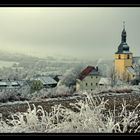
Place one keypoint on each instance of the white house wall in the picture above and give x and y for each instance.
(89, 83)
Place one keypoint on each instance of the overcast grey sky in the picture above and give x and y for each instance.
(82, 32)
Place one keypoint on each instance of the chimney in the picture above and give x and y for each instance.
(96, 68)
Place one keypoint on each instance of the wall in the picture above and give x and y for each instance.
(121, 64)
(81, 85)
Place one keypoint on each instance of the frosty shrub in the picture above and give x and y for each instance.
(115, 89)
(59, 91)
(44, 93)
(63, 90)
(14, 95)
(88, 115)
(8, 96)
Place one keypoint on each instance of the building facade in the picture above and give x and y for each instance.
(88, 79)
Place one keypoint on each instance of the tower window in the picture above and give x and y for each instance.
(128, 56)
(86, 84)
(119, 57)
(91, 84)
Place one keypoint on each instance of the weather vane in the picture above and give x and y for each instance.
(124, 24)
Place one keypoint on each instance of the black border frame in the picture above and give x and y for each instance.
(71, 3)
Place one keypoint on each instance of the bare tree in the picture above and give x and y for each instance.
(69, 78)
(113, 76)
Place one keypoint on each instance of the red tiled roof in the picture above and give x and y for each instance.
(86, 72)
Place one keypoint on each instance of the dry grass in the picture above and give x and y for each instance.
(91, 115)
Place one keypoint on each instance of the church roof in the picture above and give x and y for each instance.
(123, 48)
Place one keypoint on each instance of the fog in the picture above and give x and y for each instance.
(79, 32)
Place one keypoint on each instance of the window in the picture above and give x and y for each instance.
(128, 56)
(91, 77)
(96, 84)
(91, 89)
(119, 57)
(86, 84)
(91, 84)
(96, 76)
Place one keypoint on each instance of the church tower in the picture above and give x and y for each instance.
(123, 59)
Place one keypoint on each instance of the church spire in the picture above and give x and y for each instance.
(123, 47)
(123, 33)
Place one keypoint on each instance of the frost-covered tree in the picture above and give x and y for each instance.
(36, 85)
(62, 90)
(70, 76)
(113, 76)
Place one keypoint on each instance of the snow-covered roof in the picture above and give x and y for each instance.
(11, 83)
(14, 83)
(3, 83)
(104, 81)
(21, 82)
(136, 60)
(47, 80)
(131, 70)
(60, 77)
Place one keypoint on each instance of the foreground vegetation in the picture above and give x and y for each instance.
(87, 116)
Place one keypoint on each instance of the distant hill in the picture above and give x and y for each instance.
(6, 56)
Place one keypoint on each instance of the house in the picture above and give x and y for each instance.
(88, 79)
(47, 81)
(7, 85)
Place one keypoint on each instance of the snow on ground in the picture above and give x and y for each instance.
(12, 103)
(96, 93)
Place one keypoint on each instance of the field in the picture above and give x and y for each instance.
(113, 101)
(56, 110)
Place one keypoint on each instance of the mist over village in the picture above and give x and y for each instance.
(69, 70)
